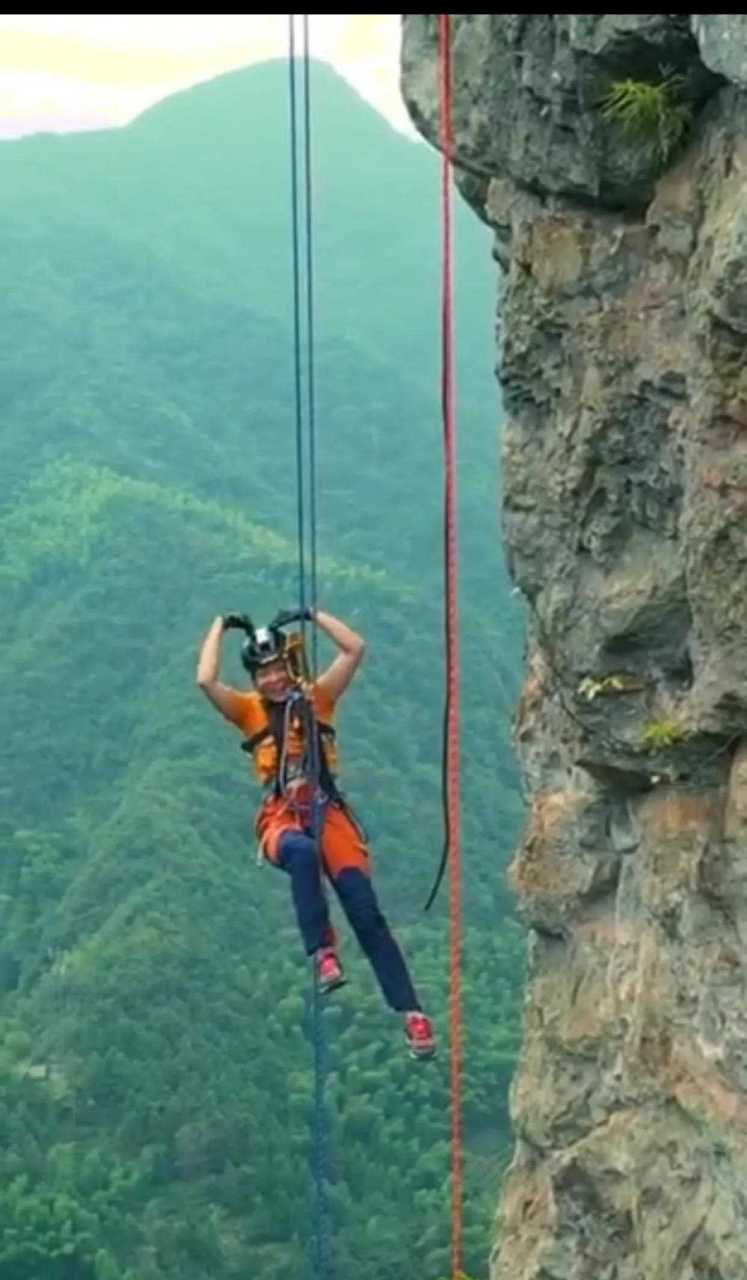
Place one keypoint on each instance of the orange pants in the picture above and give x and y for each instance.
(284, 828)
(341, 843)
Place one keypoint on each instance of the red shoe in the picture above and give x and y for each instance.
(419, 1033)
(329, 974)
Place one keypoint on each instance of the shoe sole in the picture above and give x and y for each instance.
(326, 987)
(422, 1053)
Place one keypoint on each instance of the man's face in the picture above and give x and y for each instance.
(273, 681)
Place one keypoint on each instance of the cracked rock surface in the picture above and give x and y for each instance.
(623, 363)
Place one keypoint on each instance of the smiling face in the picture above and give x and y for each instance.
(273, 681)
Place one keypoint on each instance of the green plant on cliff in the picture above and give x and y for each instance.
(620, 682)
(653, 114)
(659, 734)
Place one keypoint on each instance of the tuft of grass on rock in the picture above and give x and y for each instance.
(660, 734)
(653, 114)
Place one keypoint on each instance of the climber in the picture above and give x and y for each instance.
(279, 718)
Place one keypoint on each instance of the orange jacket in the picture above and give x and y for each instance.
(250, 712)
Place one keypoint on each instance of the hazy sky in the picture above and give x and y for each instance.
(80, 71)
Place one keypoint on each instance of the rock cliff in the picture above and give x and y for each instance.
(622, 357)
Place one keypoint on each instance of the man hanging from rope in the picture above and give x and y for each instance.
(280, 718)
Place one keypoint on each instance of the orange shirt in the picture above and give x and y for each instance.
(249, 714)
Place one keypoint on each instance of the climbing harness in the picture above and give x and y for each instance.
(279, 723)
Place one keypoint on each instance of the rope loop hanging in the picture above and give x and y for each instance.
(452, 855)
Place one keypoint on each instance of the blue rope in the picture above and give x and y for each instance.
(298, 382)
(323, 1255)
(310, 382)
(319, 1158)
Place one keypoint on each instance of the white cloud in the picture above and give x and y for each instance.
(31, 102)
(83, 70)
(169, 32)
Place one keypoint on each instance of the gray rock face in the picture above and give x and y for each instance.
(722, 39)
(623, 360)
(529, 89)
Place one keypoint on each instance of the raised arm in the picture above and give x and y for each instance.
(221, 695)
(341, 670)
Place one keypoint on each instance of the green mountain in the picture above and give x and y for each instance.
(155, 1058)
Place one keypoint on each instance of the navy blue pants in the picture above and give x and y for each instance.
(298, 857)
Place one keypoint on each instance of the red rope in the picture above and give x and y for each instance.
(452, 655)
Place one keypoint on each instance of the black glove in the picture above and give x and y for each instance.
(286, 616)
(241, 621)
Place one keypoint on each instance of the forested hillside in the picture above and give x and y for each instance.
(155, 1061)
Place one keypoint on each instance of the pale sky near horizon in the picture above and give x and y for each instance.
(62, 72)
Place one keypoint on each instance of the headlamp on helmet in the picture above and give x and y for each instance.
(263, 646)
